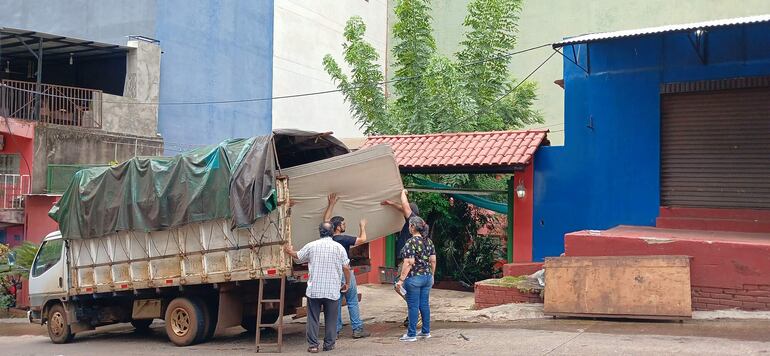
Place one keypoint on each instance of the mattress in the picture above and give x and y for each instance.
(361, 179)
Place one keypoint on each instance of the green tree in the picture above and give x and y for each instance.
(474, 91)
(367, 101)
(432, 93)
(413, 53)
(24, 255)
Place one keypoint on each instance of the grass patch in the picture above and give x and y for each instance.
(522, 283)
(507, 281)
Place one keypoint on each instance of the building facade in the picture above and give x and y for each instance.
(66, 103)
(547, 21)
(211, 51)
(236, 54)
(213, 67)
(305, 31)
(664, 127)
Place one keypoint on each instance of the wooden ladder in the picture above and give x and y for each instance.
(279, 322)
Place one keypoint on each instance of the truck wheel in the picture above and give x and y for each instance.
(184, 321)
(209, 319)
(141, 325)
(58, 328)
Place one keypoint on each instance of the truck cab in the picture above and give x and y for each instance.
(48, 287)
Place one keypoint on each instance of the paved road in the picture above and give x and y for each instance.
(530, 337)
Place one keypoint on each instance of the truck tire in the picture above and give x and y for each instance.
(209, 319)
(141, 325)
(58, 327)
(184, 321)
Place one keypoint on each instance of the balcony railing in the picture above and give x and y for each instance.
(13, 187)
(58, 104)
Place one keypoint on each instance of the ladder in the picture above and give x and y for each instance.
(278, 323)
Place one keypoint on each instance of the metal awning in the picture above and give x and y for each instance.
(19, 44)
(662, 29)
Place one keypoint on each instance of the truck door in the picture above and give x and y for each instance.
(46, 278)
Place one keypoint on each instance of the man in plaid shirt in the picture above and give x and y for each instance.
(329, 275)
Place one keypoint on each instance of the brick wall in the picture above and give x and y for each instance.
(750, 297)
(727, 269)
(521, 268)
(488, 295)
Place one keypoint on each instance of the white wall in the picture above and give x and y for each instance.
(305, 31)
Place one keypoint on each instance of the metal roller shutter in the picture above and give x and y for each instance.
(715, 149)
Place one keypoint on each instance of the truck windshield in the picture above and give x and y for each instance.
(49, 254)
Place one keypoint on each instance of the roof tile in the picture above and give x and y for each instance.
(466, 149)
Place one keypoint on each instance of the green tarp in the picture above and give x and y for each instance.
(501, 208)
(234, 179)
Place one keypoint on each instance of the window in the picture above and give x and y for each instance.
(47, 257)
(9, 164)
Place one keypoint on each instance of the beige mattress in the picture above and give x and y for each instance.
(361, 179)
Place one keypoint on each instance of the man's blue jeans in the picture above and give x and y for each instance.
(352, 298)
(418, 301)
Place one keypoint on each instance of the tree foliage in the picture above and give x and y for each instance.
(413, 53)
(24, 255)
(11, 274)
(474, 91)
(367, 101)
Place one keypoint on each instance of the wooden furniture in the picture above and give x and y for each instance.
(646, 287)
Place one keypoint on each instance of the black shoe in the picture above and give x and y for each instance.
(328, 348)
(360, 334)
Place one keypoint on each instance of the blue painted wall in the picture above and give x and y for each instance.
(608, 174)
(214, 50)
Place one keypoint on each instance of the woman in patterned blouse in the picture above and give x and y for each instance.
(417, 277)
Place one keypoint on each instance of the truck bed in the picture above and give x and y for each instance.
(205, 252)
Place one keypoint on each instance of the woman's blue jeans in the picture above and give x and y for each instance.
(418, 301)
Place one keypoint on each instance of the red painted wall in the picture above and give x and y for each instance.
(522, 216)
(38, 223)
(741, 220)
(11, 233)
(19, 145)
(377, 260)
(728, 269)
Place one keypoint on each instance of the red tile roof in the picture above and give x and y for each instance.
(500, 151)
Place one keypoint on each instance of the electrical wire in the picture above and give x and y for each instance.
(290, 96)
(484, 110)
(501, 56)
(546, 126)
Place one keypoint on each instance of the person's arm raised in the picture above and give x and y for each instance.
(362, 233)
(332, 198)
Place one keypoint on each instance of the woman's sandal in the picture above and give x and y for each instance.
(312, 349)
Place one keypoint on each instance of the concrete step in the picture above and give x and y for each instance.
(712, 224)
(741, 220)
(521, 268)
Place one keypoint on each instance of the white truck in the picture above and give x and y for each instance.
(196, 278)
(200, 276)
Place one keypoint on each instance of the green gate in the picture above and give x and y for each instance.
(58, 176)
